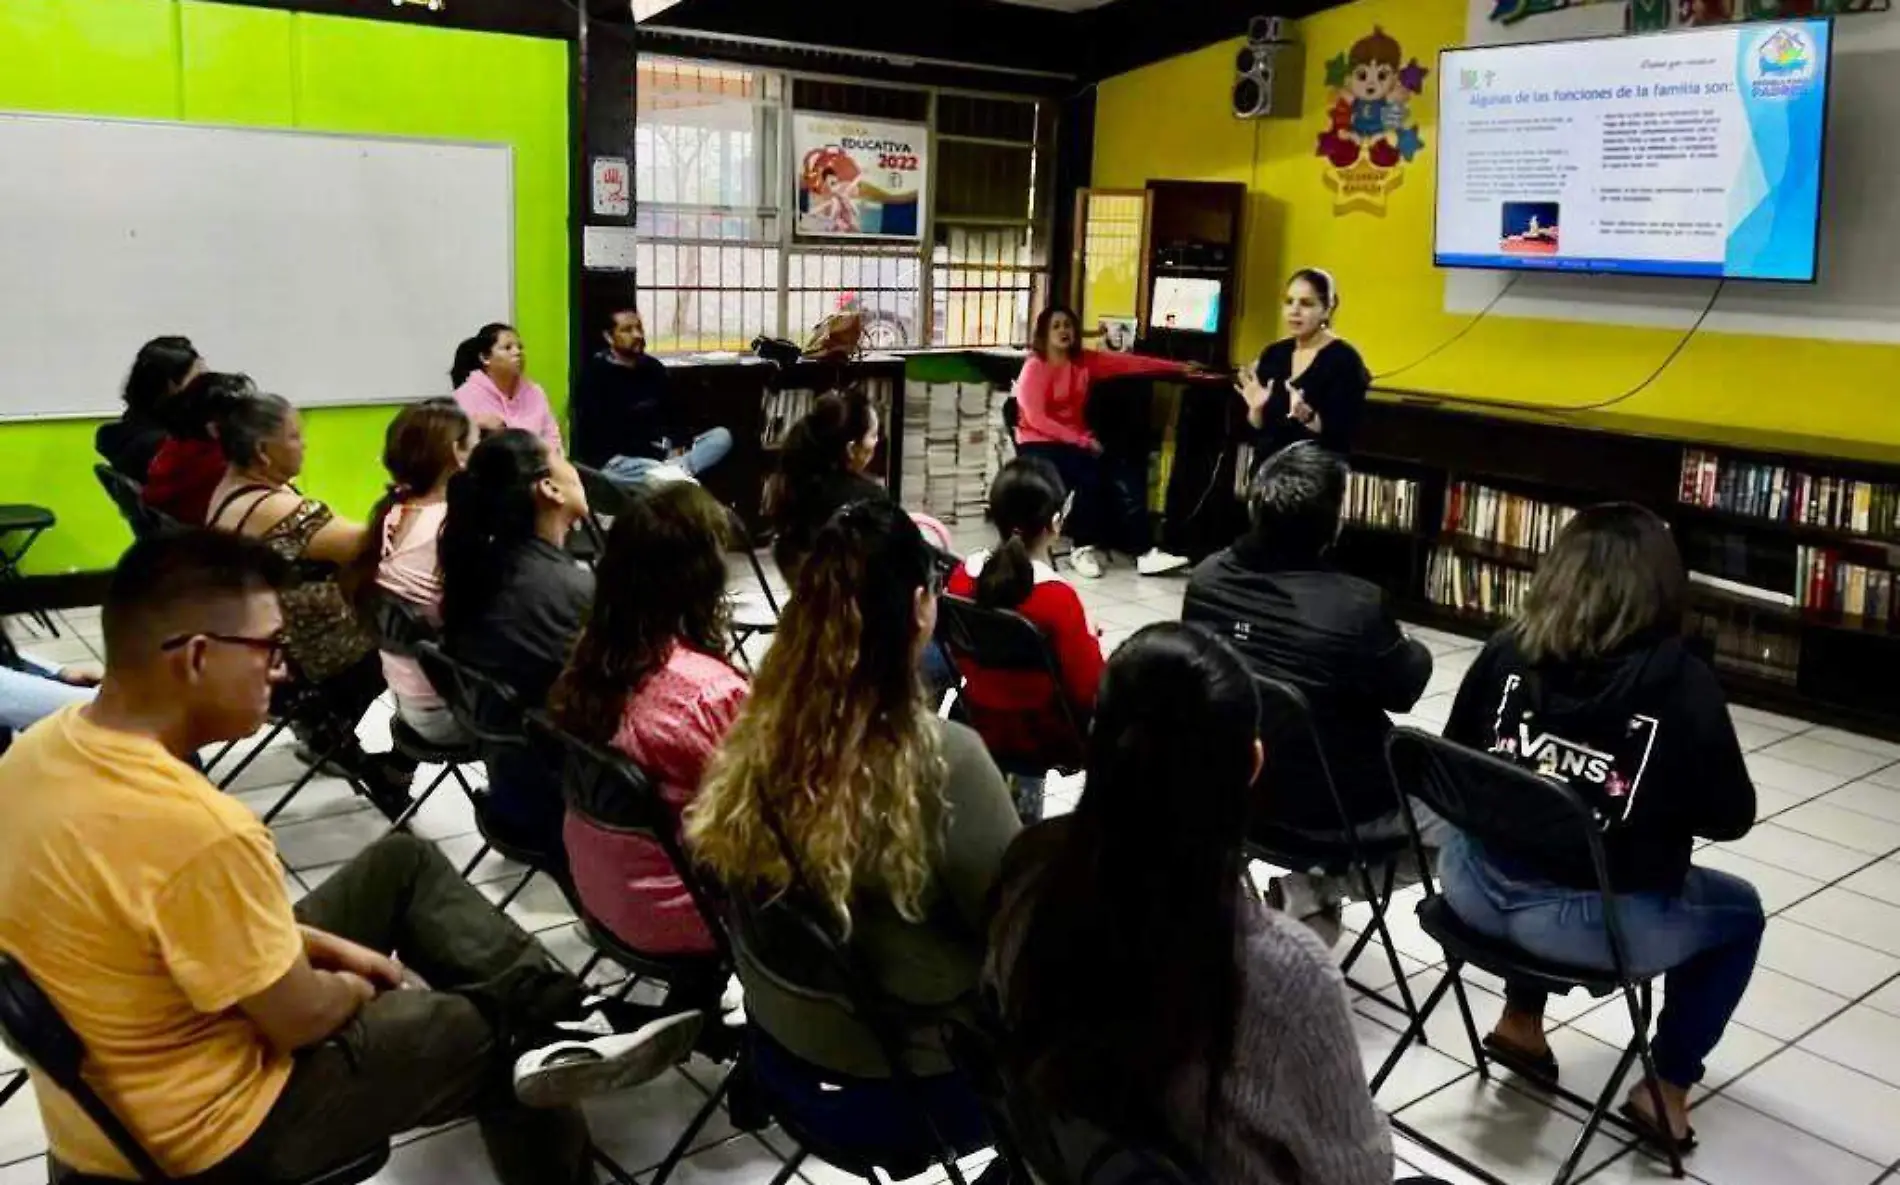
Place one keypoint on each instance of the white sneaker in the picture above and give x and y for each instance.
(567, 1071)
(1300, 895)
(1160, 563)
(1087, 563)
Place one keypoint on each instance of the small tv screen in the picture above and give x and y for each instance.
(1691, 153)
(1186, 304)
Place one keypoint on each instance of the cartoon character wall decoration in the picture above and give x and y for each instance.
(1371, 135)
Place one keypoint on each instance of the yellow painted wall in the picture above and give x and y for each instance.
(1171, 120)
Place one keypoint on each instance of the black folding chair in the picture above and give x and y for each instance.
(400, 628)
(491, 712)
(34, 1029)
(1038, 1147)
(607, 791)
(1296, 766)
(1515, 813)
(790, 928)
(607, 499)
(746, 626)
(1002, 640)
(292, 703)
(28, 523)
(129, 497)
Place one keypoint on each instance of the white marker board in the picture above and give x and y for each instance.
(333, 269)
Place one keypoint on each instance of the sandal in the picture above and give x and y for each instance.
(1541, 1068)
(1655, 1137)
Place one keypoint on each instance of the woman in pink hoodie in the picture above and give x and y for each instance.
(492, 386)
(1111, 490)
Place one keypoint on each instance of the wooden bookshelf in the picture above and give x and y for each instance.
(1816, 662)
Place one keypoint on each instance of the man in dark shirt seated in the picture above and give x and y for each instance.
(1297, 619)
(626, 422)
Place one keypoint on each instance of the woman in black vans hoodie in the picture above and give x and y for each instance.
(1595, 669)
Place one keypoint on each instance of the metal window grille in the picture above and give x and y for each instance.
(719, 262)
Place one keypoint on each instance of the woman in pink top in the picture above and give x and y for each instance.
(427, 443)
(492, 385)
(649, 678)
(1111, 490)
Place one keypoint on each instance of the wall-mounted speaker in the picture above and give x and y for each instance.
(1268, 71)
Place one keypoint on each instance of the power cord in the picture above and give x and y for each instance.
(1682, 343)
(1458, 336)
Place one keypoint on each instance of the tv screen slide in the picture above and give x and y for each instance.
(1192, 306)
(1694, 153)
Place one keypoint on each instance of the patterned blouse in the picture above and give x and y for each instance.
(325, 638)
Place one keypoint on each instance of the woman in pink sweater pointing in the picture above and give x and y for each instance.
(1111, 490)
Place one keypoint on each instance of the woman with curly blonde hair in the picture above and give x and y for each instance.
(838, 784)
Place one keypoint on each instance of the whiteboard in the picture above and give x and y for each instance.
(332, 269)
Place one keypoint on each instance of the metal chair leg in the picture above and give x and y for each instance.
(297, 786)
(685, 1142)
(515, 892)
(611, 1166)
(1413, 1030)
(12, 1087)
(469, 868)
(402, 821)
(276, 730)
(791, 1166)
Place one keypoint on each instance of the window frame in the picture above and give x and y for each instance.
(778, 199)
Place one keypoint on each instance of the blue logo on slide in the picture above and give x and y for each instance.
(1782, 65)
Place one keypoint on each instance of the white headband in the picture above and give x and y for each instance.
(1332, 287)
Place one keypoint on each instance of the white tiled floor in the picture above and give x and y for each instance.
(1805, 1089)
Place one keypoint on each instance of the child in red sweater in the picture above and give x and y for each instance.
(1019, 713)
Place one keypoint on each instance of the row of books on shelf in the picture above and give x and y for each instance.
(1825, 581)
(1786, 495)
(1386, 502)
(1473, 585)
(1500, 517)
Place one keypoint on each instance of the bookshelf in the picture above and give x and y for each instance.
(1792, 544)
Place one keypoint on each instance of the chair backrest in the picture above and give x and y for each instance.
(128, 496)
(1534, 821)
(400, 625)
(1037, 1146)
(1001, 640)
(606, 789)
(747, 540)
(996, 639)
(486, 708)
(606, 498)
(34, 1029)
(1296, 789)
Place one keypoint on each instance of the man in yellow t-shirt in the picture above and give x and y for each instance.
(235, 1037)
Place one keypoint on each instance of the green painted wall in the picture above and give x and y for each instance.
(225, 64)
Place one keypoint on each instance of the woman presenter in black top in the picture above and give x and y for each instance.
(1312, 385)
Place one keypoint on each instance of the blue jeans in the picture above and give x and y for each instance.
(707, 450)
(1703, 941)
(27, 698)
(1111, 496)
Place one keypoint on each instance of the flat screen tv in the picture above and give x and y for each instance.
(1186, 304)
(1692, 153)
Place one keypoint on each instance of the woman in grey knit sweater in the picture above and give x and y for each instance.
(1144, 992)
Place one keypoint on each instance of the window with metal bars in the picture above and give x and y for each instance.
(719, 261)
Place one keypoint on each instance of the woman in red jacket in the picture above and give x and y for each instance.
(1111, 490)
(1019, 713)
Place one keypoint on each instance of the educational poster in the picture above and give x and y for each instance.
(1372, 136)
(1695, 153)
(859, 178)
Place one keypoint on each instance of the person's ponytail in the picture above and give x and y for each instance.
(491, 512)
(1025, 502)
(1009, 576)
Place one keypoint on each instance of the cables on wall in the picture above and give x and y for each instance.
(1668, 360)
